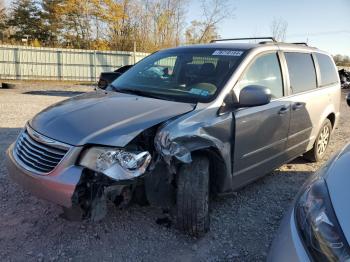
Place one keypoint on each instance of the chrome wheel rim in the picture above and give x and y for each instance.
(323, 140)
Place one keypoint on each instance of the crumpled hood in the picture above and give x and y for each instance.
(104, 118)
(338, 183)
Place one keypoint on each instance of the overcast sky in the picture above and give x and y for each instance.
(324, 23)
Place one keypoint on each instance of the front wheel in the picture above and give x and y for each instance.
(320, 146)
(192, 200)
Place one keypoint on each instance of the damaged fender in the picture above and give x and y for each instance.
(199, 130)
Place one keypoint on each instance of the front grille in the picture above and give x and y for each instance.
(37, 155)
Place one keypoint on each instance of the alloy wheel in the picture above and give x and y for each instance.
(323, 140)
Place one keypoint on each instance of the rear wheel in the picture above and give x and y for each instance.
(320, 146)
(192, 200)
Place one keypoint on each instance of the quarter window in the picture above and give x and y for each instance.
(265, 71)
(328, 73)
(301, 70)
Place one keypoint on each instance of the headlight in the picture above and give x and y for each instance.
(318, 225)
(116, 163)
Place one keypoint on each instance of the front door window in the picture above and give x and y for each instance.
(265, 71)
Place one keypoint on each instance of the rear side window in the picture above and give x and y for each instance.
(328, 73)
(265, 71)
(302, 74)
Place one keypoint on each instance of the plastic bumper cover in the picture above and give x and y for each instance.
(287, 245)
(57, 187)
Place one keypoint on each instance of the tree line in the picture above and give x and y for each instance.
(109, 24)
(342, 60)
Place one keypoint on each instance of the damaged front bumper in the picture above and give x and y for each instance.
(57, 187)
(70, 185)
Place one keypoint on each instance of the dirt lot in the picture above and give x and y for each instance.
(242, 226)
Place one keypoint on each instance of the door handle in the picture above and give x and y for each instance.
(283, 110)
(297, 106)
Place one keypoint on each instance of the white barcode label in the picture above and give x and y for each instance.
(228, 52)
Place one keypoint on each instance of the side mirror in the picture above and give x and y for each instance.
(348, 99)
(254, 96)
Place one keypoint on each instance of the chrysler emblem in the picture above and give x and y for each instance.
(40, 138)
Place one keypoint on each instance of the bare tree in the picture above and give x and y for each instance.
(2, 20)
(152, 24)
(213, 12)
(118, 24)
(279, 29)
(2, 12)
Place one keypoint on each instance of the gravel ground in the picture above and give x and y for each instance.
(242, 226)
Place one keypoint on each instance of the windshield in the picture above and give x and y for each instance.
(185, 74)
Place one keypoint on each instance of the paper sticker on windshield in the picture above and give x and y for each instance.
(199, 92)
(228, 52)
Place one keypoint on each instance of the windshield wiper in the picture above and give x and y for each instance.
(137, 92)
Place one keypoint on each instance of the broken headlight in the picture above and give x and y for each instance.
(318, 224)
(116, 163)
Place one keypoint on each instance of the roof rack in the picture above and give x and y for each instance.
(300, 43)
(244, 38)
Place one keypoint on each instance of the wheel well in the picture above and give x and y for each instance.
(217, 169)
(331, 118)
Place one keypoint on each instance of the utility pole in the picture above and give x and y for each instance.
(134, 52)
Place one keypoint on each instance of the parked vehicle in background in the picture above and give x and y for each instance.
(344, 76)
(317, 227)
(107, 78)
(181, 125)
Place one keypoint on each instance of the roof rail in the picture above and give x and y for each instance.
(300, 43)
(244, 38)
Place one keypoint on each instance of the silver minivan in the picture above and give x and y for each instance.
(179, 126)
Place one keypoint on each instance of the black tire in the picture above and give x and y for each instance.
(192, 198)
(317, 152)
(102, 84)
(139, 196)
(7, 86)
